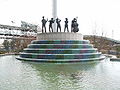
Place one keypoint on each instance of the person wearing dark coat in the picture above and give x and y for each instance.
(66, 25)
(44, 21)
(58, 24)
(50, 24)
(73, 24)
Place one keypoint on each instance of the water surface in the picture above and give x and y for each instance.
(19, 75)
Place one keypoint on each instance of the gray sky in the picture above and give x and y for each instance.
(100, 15)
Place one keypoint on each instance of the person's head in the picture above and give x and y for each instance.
(74, 18)
(66, 18)
(43, 17)
(51, 18)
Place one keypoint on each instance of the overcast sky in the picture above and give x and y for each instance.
(93, 15)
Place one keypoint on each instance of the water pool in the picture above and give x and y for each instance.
(20, 75)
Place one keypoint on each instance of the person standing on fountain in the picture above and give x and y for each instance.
(73, 24)
(50, 24)
(66, 25)
(44, 24)
(58, 24)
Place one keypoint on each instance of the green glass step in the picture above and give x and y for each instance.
(60, 56)
(60, 46)
(60, 42)
(59, 51)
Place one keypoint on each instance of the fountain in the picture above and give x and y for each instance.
(60, 47)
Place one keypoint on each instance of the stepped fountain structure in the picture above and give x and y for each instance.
(60, 47)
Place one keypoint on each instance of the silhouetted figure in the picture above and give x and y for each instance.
(74, 26)
(58, 24)
(50, 24)
(44, 21)
(66, 24)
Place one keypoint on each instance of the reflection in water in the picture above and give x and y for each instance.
(62, 76)
(18, 75)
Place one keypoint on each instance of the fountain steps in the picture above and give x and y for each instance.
(60, 60)
(46, 51)
(60, 56)
(60, 47)
(60, 42)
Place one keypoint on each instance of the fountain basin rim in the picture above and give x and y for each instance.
(62, 49)
(60, 60)
(61, 54)
(60, 44)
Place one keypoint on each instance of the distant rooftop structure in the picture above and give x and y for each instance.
(16, 28)
(12, 27)
(10, 32)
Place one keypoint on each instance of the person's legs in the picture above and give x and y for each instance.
(45, 28)
(42, 29)
(57, 28)
(67, 28)
(52, 28)
(60, 28)
(49, 29)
